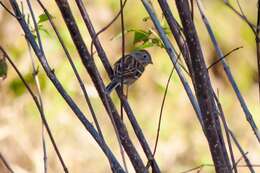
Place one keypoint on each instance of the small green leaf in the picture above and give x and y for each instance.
(141, 35)
(44, 17)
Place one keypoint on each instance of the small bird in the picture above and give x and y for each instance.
(130, 70)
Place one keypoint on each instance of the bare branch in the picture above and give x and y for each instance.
(204, 92)
(242, 102)
(82, 86)
(242, 16)
(173, 56)
(89, 127)
(104, 59)
(91, 68)
(35, 99)
(7, 165)
(257, 39)
(161, 111)
(9, 11)
(220, 59)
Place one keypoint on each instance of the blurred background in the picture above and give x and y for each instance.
(182, 144)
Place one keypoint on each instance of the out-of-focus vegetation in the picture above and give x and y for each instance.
(182, 144)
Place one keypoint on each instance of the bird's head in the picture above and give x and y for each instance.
(143, 57)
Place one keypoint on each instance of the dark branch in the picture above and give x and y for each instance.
(203, 90)
(89, 127)
(104, 59)
(230, 77)
(91, 68)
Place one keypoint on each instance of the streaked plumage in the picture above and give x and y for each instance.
(130, 70)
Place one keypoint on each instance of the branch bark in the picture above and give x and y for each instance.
(50, 73)
(90, 66)
(104, 59)
(204, 92)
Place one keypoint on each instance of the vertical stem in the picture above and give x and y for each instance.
(122, 79)
(129, 112)
(258, 45)
(93, 72)
(204, 92)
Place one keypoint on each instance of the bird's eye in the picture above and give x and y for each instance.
(145, 56)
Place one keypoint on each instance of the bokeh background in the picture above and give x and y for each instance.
(182, 144)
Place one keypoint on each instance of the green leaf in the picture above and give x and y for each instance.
(141, 35)
(43, 18)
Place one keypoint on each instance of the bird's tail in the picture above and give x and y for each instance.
(113, 84)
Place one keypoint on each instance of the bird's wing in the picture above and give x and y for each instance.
(130, 68)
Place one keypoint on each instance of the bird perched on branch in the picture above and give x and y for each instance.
(129, 68)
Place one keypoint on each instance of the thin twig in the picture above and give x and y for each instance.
(161, 112)
(257, 39)
(35, 25)
(248, 163)
(35, 99)
(82, 9)
(211, 165)
(198, 167)
(132, 118)
(122, 51)
(88, 126)
(7, 165)
(229, 131)
(226, 128)
(244, 18)
(105, 28)
(122, 79)
(239, 159)
(160, 118)
(177, 33)
(230, 77)
(37, 83)
(82, 86)
(173, 56)
(9, 11)
(220, 59)
(93, 72)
